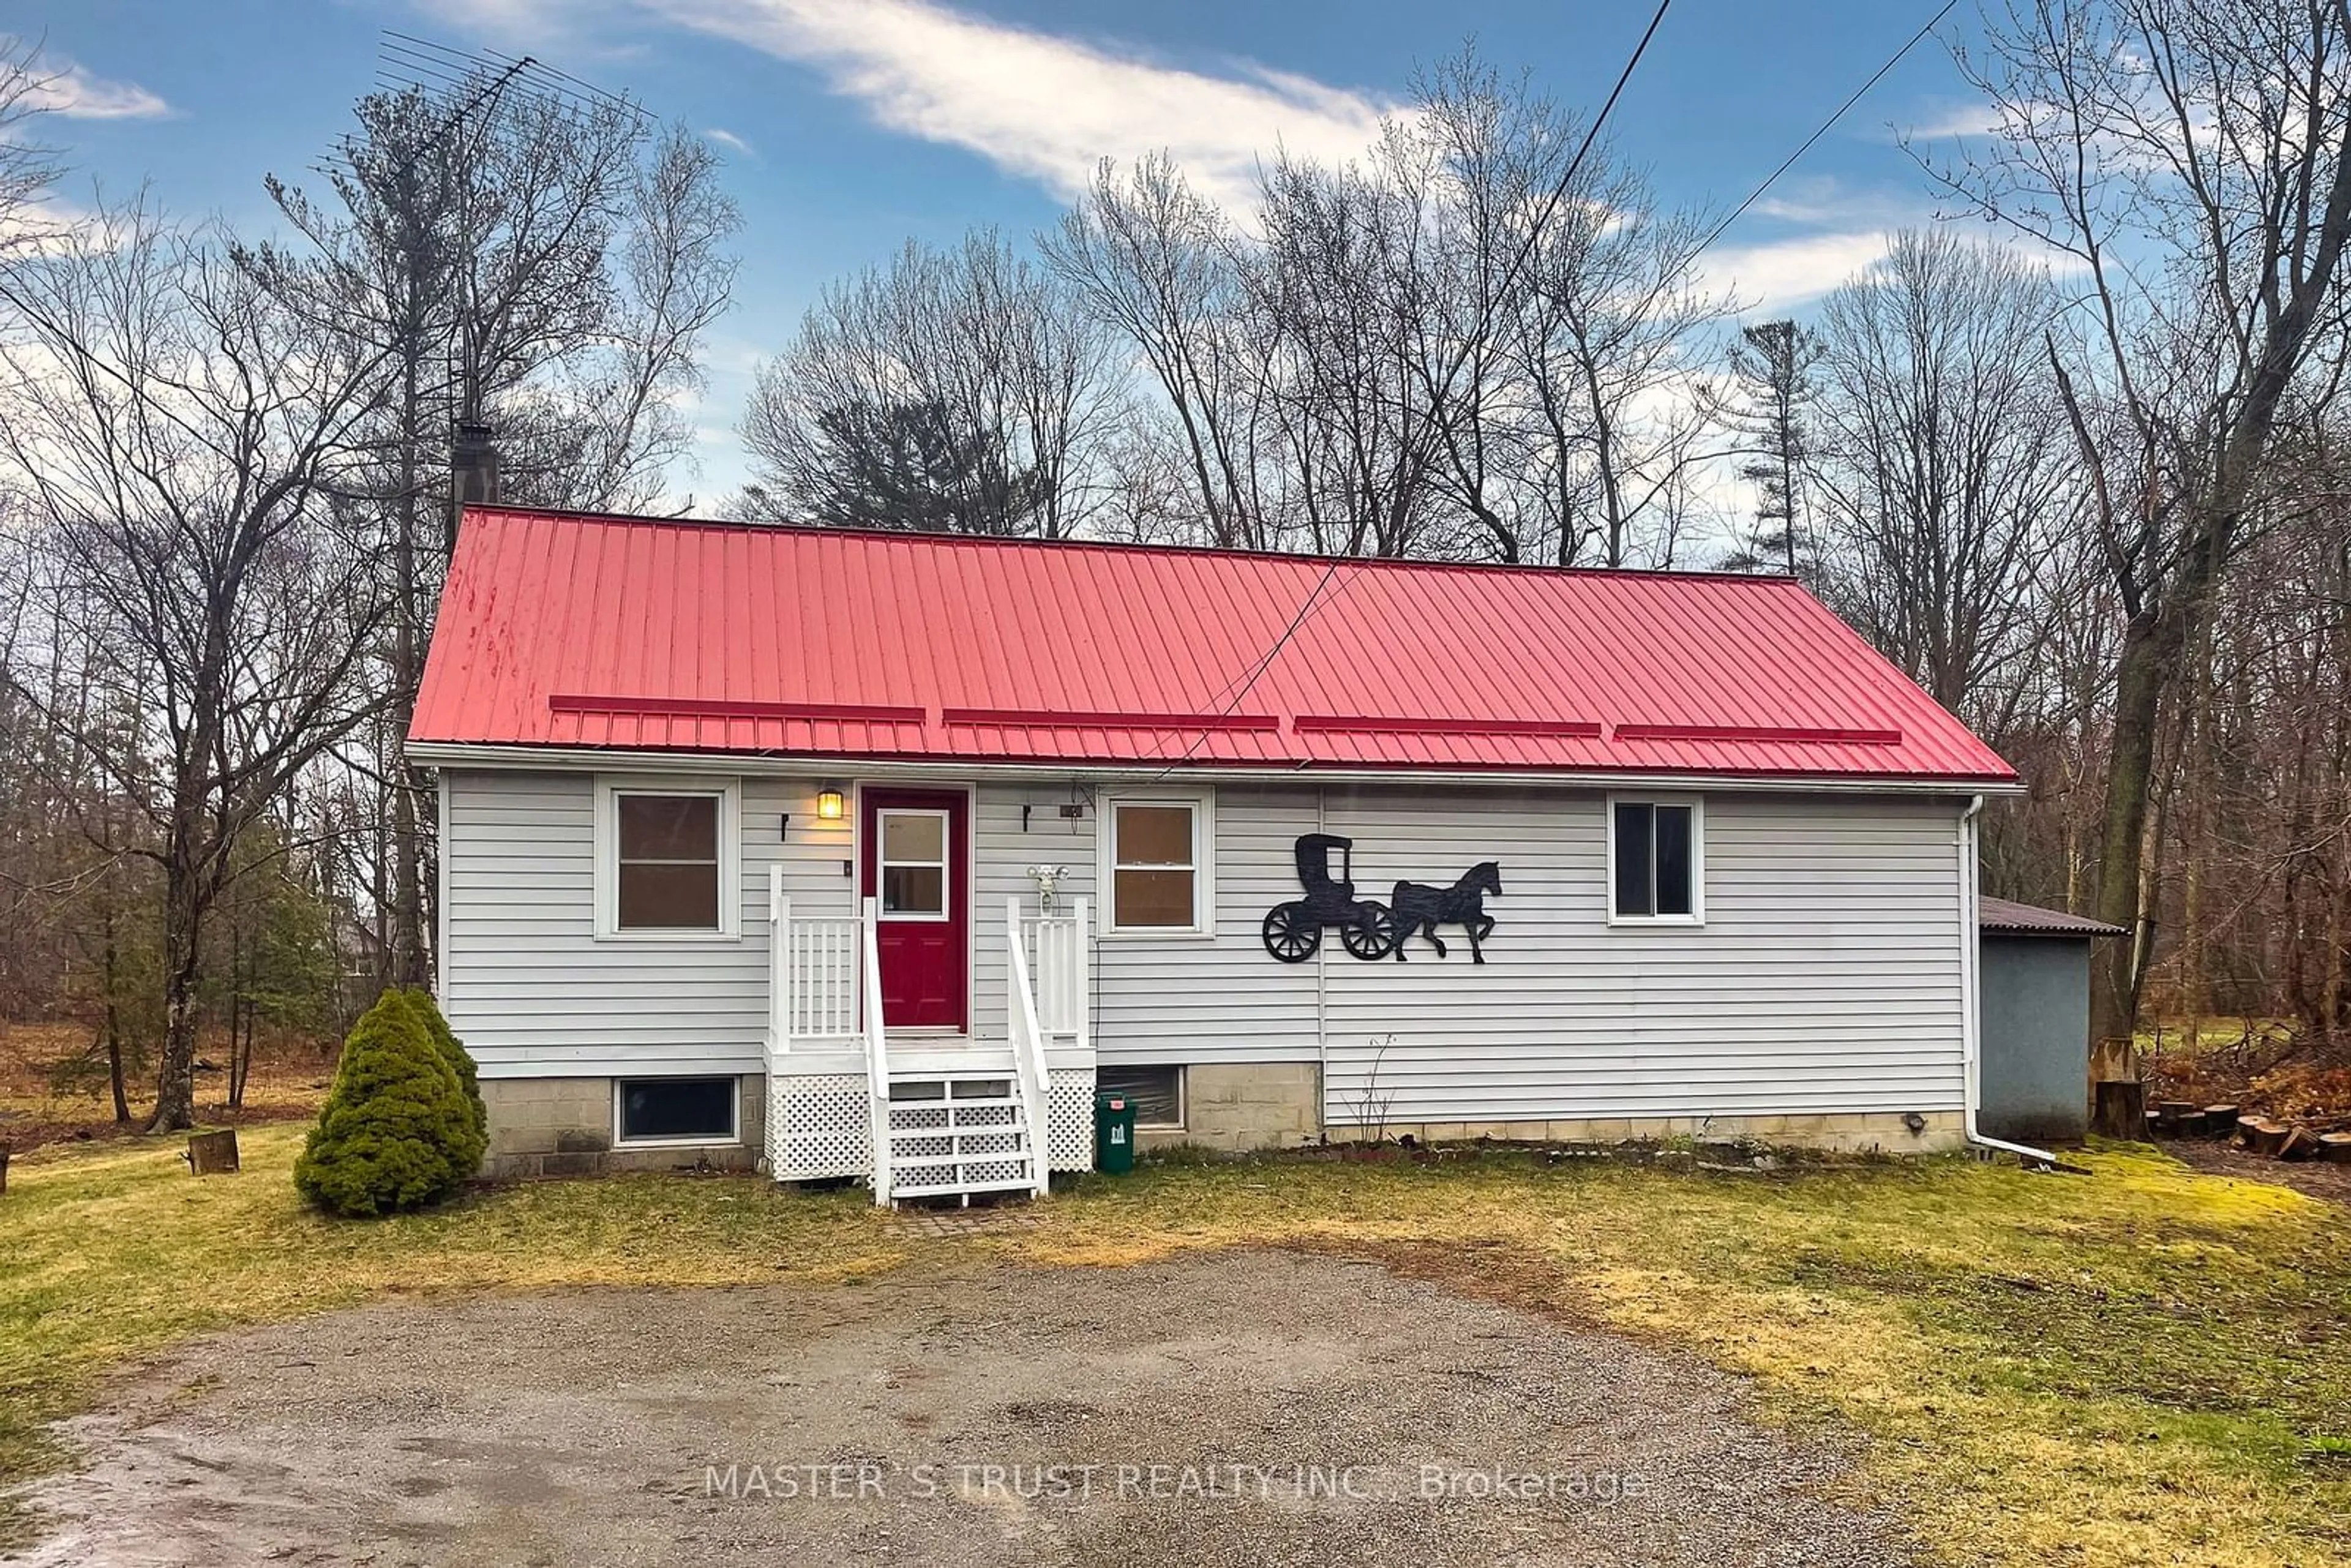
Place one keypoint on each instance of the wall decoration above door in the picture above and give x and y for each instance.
(1368, 928)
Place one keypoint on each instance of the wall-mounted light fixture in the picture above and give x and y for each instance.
(831, 803)
(1049, 885)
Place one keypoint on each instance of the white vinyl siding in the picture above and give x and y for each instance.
(1180, 998)
(532, 991)
(1825, 978)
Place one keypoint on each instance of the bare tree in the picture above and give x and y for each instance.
(27, 168)
(1449, 346)
(1942, 470)
(1156, 263)
(175, 433)
(955, 391)
(543, 268)
(2194, 162)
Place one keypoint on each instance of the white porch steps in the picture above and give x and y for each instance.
(957, 1132)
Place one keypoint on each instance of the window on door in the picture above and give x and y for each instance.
(915, 874)
(1655, 874)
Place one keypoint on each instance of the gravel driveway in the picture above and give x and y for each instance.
(1243, 1408)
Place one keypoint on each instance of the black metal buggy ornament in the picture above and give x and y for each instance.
(1293, 930)
(1369, 929)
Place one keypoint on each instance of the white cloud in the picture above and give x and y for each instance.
(1777, 274)
(68, 89)
(1978, 118)
(732, 142)
(51, 226)
(1041, 107)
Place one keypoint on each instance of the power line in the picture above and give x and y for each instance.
(1826, 126)
(1314, 599)
(1591, 135)
(1559, 193)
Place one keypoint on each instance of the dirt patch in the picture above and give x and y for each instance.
(1251, 1408)
(2309, 1177)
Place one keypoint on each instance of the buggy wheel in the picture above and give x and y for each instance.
(1373, 933)
(1291, 933)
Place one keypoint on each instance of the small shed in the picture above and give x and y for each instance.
(2034, 975)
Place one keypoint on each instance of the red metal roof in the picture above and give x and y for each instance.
(584, 632)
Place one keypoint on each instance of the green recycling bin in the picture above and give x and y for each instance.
(1113, 1134)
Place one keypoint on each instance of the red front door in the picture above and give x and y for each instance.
(915, 854)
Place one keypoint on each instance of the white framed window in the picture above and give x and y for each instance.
(913, 873)
(672, 1112)
(669, 859)
(1156, 874)
(1657, 861)
(1156, 1092)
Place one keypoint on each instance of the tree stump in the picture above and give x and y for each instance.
(2299, 1144)
(2334, 1148)
(2180, 1118)
(2220, 1121)
(2269, 1138)
(2245, 1127)
(2119, 1109)
(212, 1153)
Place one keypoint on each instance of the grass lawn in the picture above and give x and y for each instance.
(2143, 1366)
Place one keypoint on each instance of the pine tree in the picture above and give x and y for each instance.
(397, 1131)
(1771, 368)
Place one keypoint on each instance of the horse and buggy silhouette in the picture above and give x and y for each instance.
(1367, 928)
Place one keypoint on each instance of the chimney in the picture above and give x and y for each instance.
(474, 457)
(473, 473)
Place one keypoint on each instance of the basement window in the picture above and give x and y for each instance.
(675, 1111)
(1155, 1093)
(1656, 863)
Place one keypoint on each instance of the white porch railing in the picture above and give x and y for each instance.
(830, 1062)
(812, 987)
(877, 1053)
(1029, 1068)
(1058, 945)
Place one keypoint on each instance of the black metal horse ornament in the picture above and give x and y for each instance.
(1421, 908)
(1369, 929)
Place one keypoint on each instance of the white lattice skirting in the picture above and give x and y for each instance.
(818, 1126)
(1070, 1119)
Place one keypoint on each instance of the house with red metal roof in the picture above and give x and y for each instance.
(878, 855)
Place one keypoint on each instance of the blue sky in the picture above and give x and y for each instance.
(849, 125)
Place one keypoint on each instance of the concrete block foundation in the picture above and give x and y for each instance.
(1238, 1106)
(563, 1127)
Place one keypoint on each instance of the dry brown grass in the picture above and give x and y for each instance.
(38, 1106)
(2145, 1367)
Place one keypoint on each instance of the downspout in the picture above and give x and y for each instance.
(1971, 997)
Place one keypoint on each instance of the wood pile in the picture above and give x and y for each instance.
(2268, 1136)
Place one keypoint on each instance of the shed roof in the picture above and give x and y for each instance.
(2025, 919)
(571, 630)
